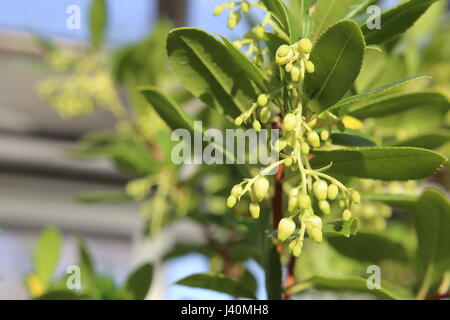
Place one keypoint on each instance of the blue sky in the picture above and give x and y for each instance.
(129, 20)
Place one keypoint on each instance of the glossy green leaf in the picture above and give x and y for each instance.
(62, 295)
(397, 20)
(367, 97)
(382, 163)
(86, 268)
(273, 269)
(412, 122)
(394, 200)
(352, 284)
(352, 138)
(369, 247)
(389, 105)
(328, 12)
(207, 69)
(357, 7)
(341, 228)
(432, 224)
(98, 17)
(249, 67)
(46, 255)
(338, 56)
(168, 110)
(300, 9)
(283, 17)
(138, 283)
(432, 140)
(217, 282)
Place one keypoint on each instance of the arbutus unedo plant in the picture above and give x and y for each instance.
(296, 71)
(348, 190)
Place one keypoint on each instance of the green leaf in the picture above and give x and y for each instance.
(217, 282)
(97, 22)
(352, 138)
(412, 122)
(283, 17)
(176, 118)
(338, 56)
(249, 67)
(86, 268)
(327, 13)
(62, 295)
(300, 9)
(432, 140)
(394, 200)
(382, 163)
(273, 272)
(168, 110)
(389, 105)
(341, 228)
(369, 247)
(397, 20)
(207, 69)
(432, 224)
(357, 7)
(46, 255)
(369, 96)
(352, 284)
(138, 283)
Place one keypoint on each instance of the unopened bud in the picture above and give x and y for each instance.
(356, 197)
(305, 46)
(304, 201)
(313, 139)
(286, 228)
(295, 74)
(254, 210)
(256, 126)
(231, 201)
(260, 188)
(304, 148)
(297, 250)
(289, 122)
(288, 67)
(324, 206)
(333, 192)
(310, 68)
(320, 189)
(238, 121)
(245, 7)
(280, 145)
(262, 100)
(265, 115)
(325, 135)
(237, 191)
(218, 11)
(346, 215)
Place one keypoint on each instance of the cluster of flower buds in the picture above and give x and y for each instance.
(259, 112)
(295, 59)
(301, 203)
(257, 187)
(235, 8)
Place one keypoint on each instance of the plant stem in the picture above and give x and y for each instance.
(278, 197)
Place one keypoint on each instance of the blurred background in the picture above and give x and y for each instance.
(39, 181)
(40, 178)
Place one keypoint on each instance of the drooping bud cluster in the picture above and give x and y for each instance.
(295, 59)
(304, 128)
(257, 187)
(259, 112)
(235, 8)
